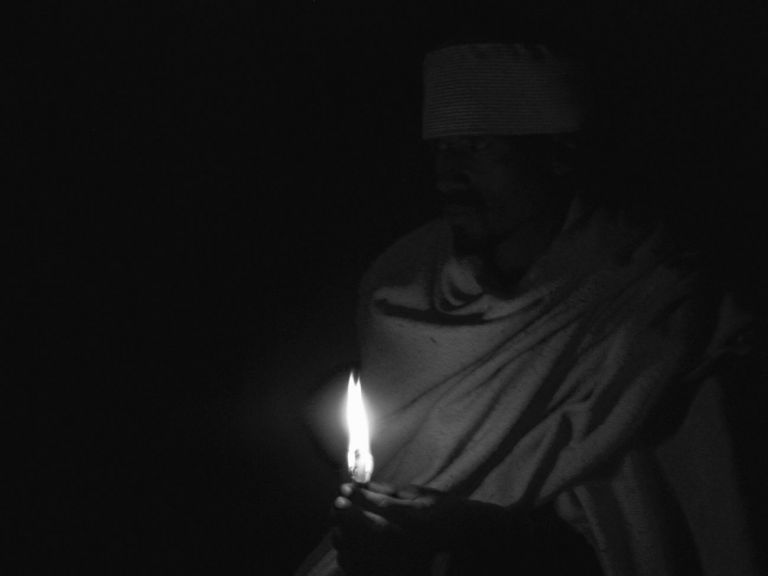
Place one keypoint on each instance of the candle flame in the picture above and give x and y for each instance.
(359, 458)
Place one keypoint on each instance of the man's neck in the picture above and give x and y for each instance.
(513, 255)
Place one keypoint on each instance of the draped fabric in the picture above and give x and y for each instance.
(539, 395)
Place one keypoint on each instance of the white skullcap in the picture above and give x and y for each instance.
(500, 89)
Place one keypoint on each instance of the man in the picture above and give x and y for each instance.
(528, 352)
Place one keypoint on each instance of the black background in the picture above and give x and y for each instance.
(195, 189)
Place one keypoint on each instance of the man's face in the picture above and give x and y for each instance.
(491, 186)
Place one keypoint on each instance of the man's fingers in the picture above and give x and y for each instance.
(362, 497)
(381, 488)
(411, 492)
(375, 498)
(349, 488)
(378, 522)
(342, 503)
(412, 500)
(384, 506)
(352, 518)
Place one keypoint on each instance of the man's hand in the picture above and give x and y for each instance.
(382, 529)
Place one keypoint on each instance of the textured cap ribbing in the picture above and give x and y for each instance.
(500, 89)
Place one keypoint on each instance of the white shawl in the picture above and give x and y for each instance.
(538, 395)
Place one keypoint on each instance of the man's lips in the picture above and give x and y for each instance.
(461, 203)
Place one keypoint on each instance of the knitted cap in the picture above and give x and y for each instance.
(500, 89)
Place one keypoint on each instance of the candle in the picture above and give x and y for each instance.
(359, 458)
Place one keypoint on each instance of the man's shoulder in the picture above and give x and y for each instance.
(409, 255)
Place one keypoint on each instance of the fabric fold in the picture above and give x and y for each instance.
(525, 398)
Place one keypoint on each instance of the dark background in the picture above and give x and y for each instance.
(195, 189)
